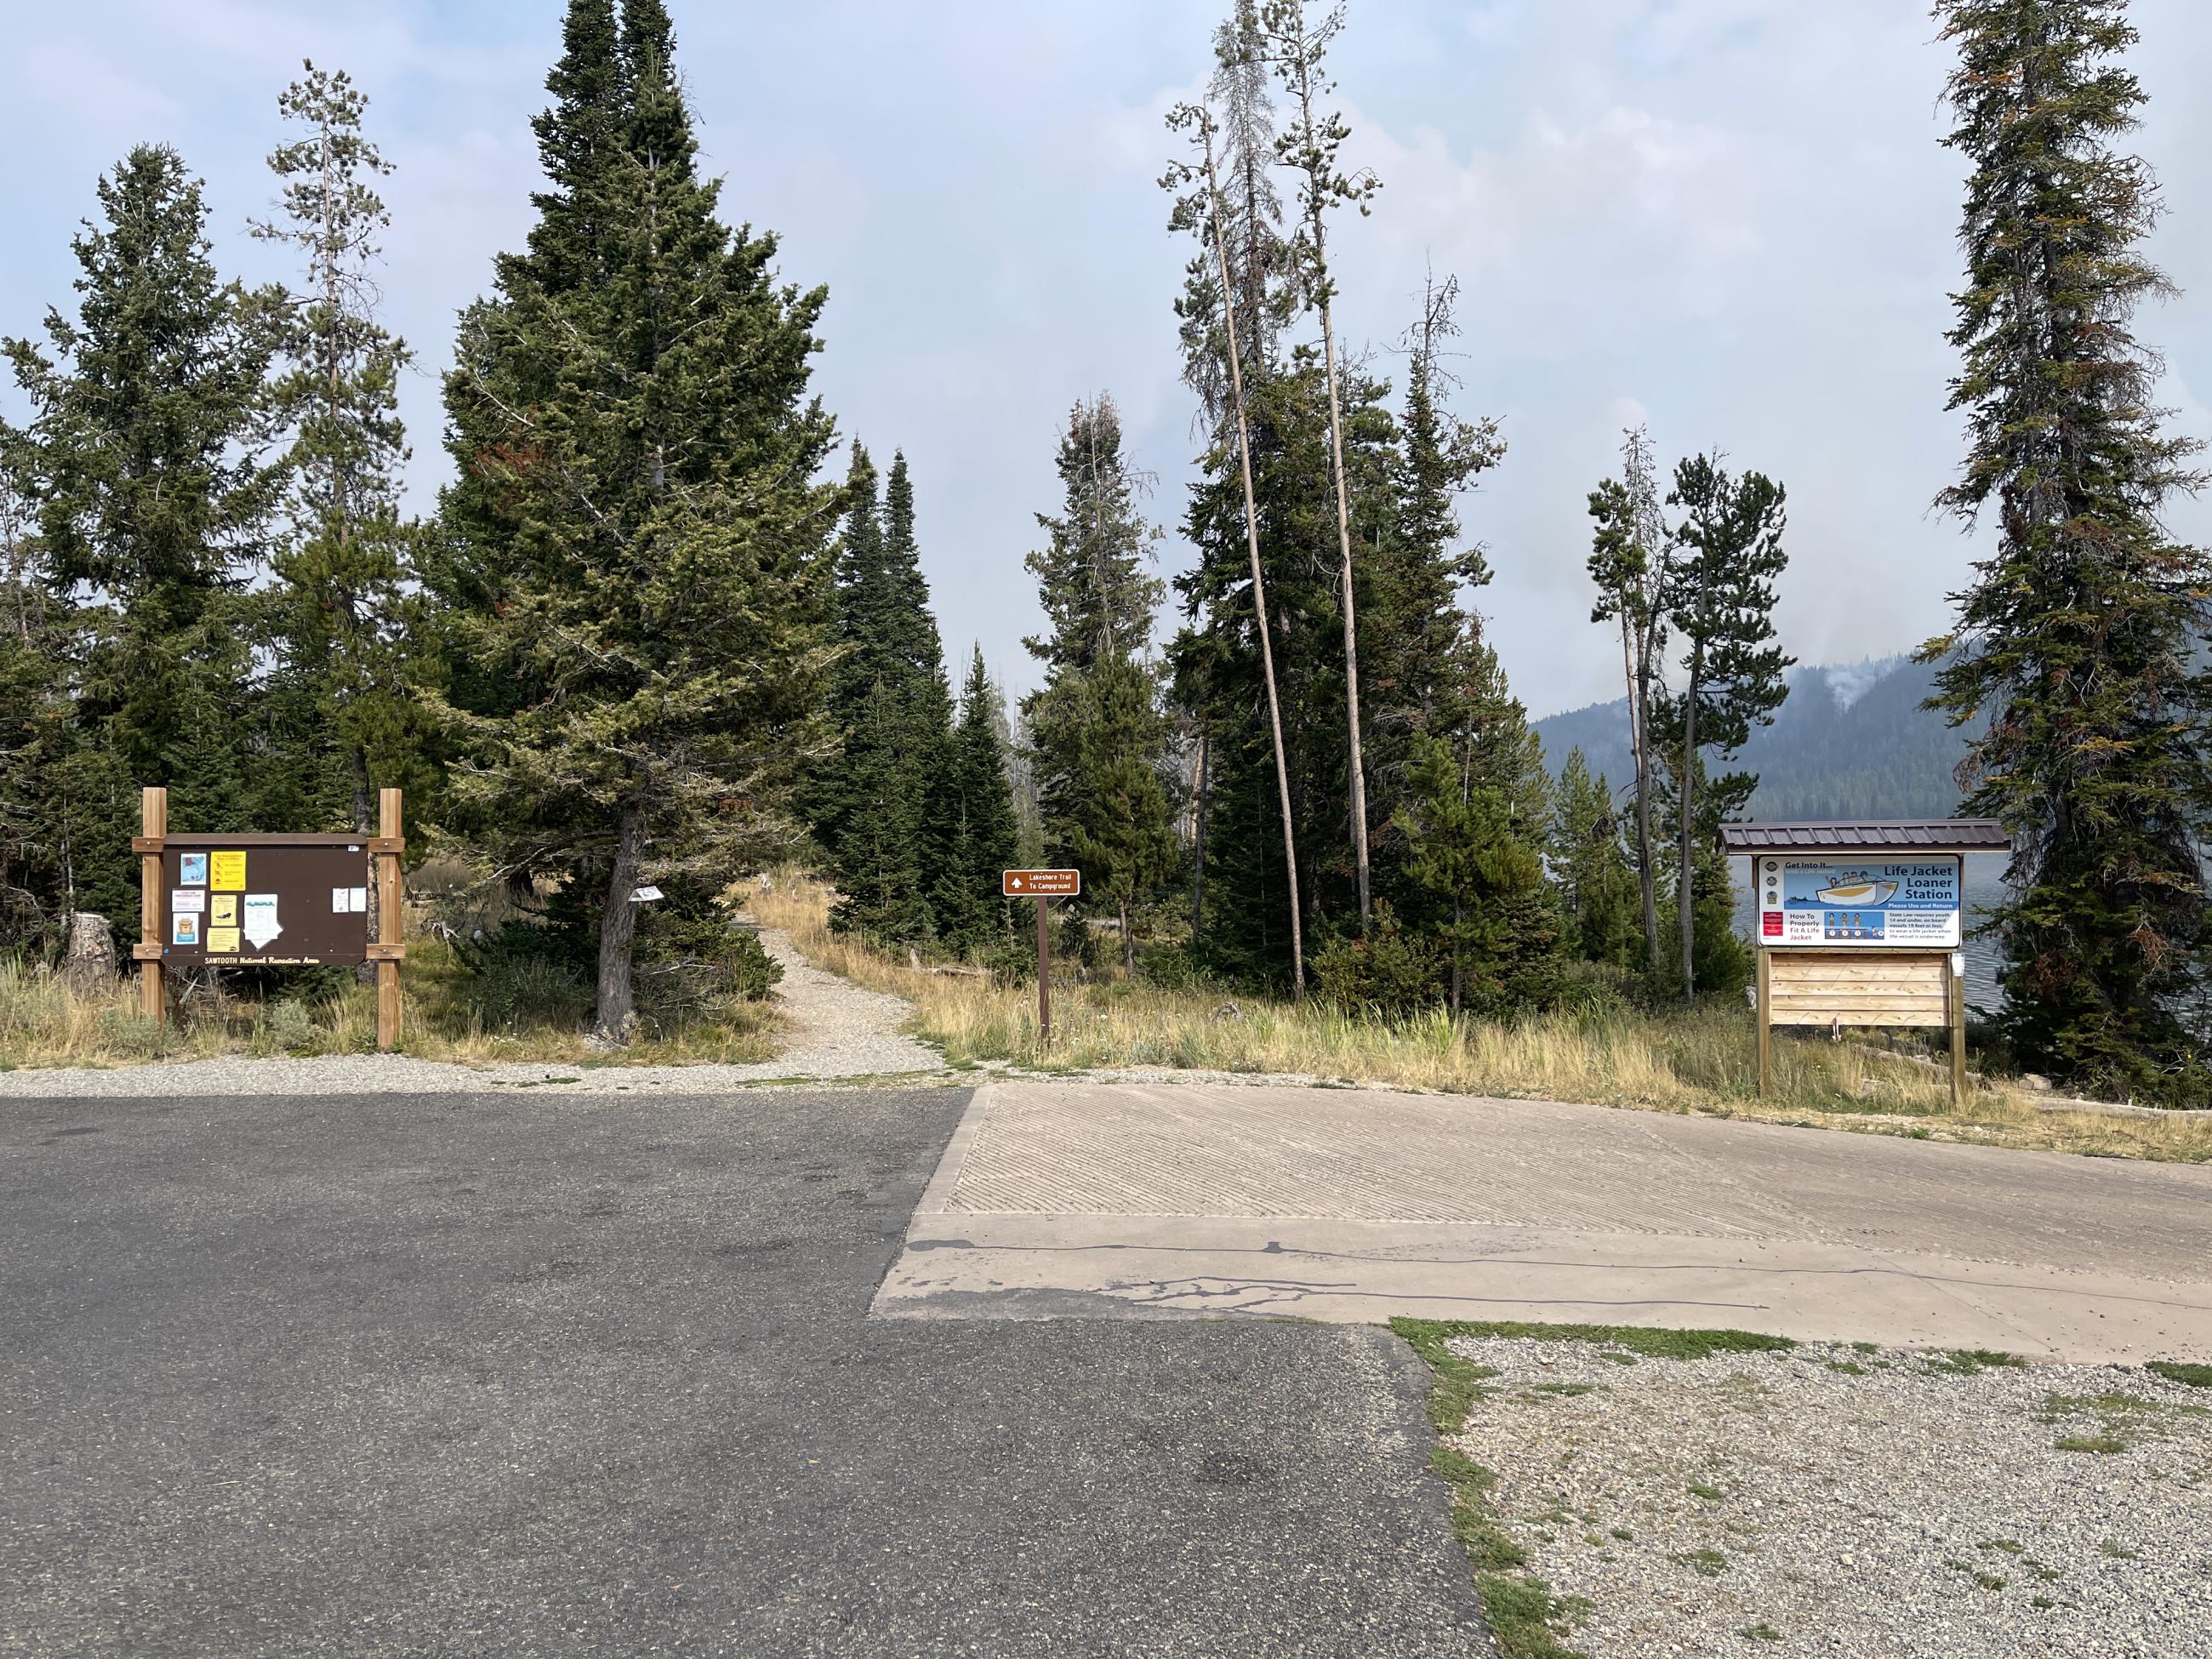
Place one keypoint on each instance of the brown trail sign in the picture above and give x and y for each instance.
(1043, 886)
(269, 901)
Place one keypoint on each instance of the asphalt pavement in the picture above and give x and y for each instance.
(528, 1375)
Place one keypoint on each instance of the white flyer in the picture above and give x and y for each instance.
(184, 900)
(261, 925)
(359, 900)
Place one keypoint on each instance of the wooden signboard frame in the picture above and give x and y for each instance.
(1847, 975)
(291, 855)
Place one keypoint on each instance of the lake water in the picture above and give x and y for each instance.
(1984, 886)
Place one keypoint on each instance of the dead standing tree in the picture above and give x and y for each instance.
(1629, 559)
(1202, 213)
(1309, 148)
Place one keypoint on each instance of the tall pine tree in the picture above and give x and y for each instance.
(147, 469)
(884, 832)
(1096, 727)
(2080, 636)
(1719, 592)
(640, 578)
(978, 836)
(336, 617)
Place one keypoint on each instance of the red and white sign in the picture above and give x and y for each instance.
(1040, 883)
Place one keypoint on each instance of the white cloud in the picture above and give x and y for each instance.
(1732, 218)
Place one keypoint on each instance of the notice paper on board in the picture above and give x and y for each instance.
(184, 929)
(192, 869)
(261, 925)
(227, 871)
(191, 900)
(222, 941)
(224, 913)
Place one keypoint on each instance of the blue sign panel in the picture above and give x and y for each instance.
(1895, 902)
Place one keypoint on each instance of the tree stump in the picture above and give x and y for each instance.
(89, 967)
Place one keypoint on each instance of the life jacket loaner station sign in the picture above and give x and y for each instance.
(1913, 903)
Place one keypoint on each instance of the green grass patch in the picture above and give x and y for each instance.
(1761, 1631)
(2178, 1370)
(2104, 1445)
(1566, 1390)
(1454, 1383)
(1527, 1618)
(1972, 1362)
(1632, 1339)
(1711, 1494)
(1705, 1563)
(1848, 1368)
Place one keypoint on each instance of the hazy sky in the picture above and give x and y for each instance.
(1732, 218)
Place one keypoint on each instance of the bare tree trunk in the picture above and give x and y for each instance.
(1686, 783)
(1128, 943)
(1358, 767)
(1259, 582)
(1648, 875)
(618, 1019)
(1198, 831)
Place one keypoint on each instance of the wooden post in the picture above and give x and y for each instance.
(152, 829)
(1044, 978)
(1955, 987)
(388, 845)
(1765, 1019)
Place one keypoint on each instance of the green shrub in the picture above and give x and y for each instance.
(1390, 972)
(290, 1025)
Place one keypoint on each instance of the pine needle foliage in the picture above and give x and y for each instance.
(639, 575)
(148, 473)
(335, 620)
(2079, 634)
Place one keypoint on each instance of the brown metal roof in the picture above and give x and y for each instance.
(1866, 835)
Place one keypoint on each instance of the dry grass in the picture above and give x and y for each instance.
(1705, 1062)
(43, 1024)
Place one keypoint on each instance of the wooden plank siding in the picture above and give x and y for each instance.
(1814, 988)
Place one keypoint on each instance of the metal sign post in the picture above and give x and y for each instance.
(1043, 886)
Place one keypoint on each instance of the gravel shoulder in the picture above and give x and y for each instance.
(838, 1032)
(1841, 1500)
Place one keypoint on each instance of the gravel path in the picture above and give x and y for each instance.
(1840, 1501)
(838, 1030)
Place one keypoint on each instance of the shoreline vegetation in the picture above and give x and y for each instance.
(1702, 1059)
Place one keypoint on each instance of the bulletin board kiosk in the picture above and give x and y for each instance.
(1861, 924)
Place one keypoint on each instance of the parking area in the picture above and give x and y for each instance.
(532, 1375)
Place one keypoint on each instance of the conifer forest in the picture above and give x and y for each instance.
(665, 625)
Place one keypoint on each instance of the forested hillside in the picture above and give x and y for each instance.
(1852, 741)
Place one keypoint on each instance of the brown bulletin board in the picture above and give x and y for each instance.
(319, 891)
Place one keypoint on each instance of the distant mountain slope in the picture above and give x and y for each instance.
(1852, 742)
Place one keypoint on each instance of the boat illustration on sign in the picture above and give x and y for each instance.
(1864, 895)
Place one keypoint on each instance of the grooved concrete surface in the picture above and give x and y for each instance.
(452, 1377)
(1356, 1205)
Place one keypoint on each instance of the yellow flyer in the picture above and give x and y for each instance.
(222, 941)
(227, 871)
(225, 914)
